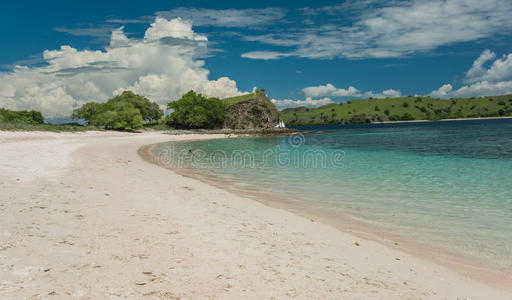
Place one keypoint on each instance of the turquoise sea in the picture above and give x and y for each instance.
(442, 184)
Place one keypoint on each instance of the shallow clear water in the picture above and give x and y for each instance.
(446, 184)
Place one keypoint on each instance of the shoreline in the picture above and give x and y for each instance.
(464, 265)
(446, 120)
(409, 121)
(115, 226)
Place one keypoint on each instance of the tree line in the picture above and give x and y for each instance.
(129, 111)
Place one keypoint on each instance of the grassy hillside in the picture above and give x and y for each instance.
(399, 109)
(234, 100)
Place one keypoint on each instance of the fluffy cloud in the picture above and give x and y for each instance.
(282, 104)
(162, 66)
(331, 90)
(176, 28)
(482, 88)
(482, 81)
(391, 29)
(477, 70)
(391, 93)
(500, 69)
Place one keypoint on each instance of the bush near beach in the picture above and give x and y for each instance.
(124, 112)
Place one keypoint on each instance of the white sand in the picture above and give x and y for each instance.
(83, 216)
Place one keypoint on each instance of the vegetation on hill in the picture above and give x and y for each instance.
(123, 112)
(196, 111)
(399, 109)
(245, 97)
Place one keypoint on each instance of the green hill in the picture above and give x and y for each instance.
(399, 109)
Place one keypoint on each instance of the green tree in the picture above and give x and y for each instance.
(150, 111)
(123, 112)
(196, 111)
(119, 116)
(87, 111)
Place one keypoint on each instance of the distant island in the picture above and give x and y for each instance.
(399, 109)
(253, 111)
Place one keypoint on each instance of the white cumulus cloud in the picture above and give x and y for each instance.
(481, 80)
(332, 91)
(499, 70)
(176, 28)
(482, 88)
(329, 90)
(309, 102)
(162, 66)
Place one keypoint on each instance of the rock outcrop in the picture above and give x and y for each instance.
(254, 111)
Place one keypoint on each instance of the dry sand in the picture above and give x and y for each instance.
(83, 216)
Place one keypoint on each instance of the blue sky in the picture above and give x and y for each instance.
(57, 55)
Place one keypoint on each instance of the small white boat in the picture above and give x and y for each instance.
(280, 125)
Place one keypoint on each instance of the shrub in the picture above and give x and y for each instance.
(121, 116)
(150, 111)
(406, 117)
(31, 117)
